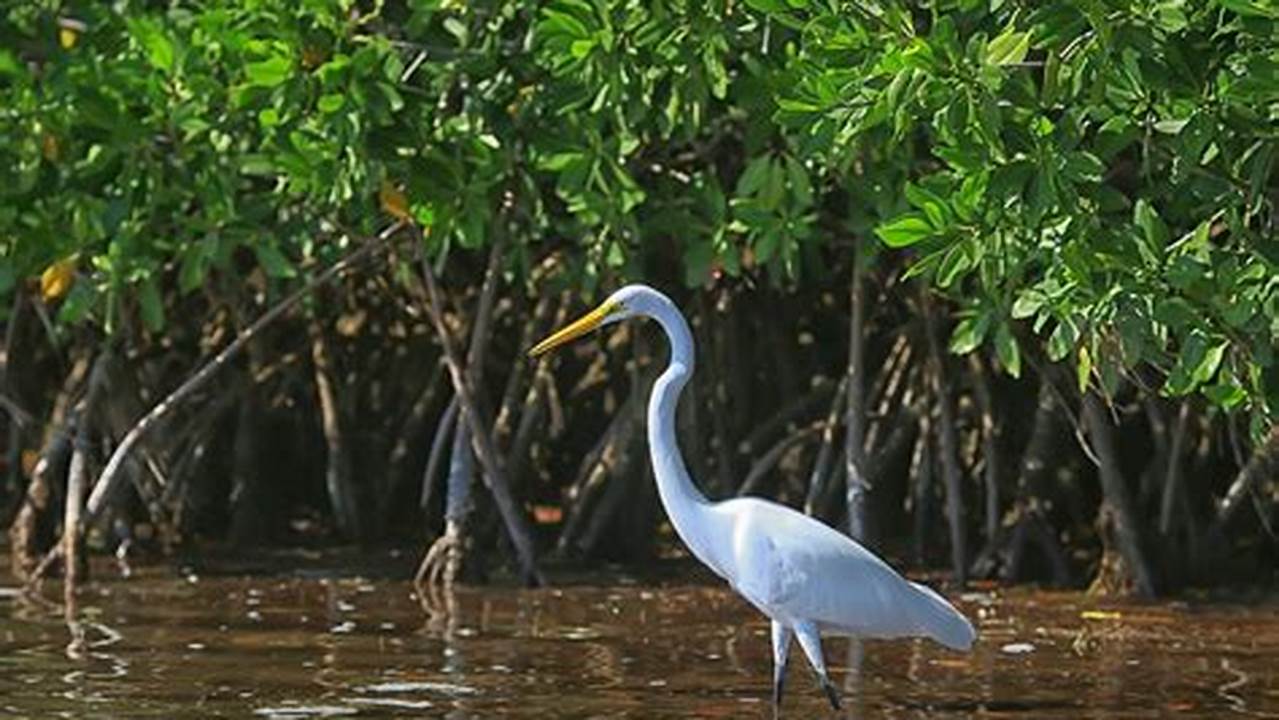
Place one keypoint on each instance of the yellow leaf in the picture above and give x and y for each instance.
(312, 57)
(49, 147)
(67, 37)
(393, 201)
(57, 279)
(1100, 615)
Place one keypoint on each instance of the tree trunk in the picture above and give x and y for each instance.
(410, 431)
(1004, 556)
(856, 486)
(444, 429)
(82, 420)
(948, 445)
(11, 490)
(825, 455)
(1264, 464)
(248, 514)
(989, 445)
(458, 502)
(1172, 477)
(1116, 513)
(921, 473)
(32, 528)
(337, 469)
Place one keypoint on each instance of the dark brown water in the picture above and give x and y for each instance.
(161, 645)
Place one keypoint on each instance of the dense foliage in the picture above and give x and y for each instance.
(1085, 183)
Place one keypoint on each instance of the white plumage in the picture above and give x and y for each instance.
(808, 578)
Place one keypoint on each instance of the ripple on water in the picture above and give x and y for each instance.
(408, 686)
(303, 711)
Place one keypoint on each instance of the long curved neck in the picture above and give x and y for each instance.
(685, 505)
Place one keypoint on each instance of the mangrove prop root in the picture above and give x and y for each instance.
(111, 474)
(512, 516)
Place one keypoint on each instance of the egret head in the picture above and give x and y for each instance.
(626, 302)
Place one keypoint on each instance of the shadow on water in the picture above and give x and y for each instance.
(313, 646)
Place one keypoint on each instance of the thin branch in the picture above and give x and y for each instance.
(481, 440)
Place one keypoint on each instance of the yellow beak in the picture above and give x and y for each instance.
(575, 329)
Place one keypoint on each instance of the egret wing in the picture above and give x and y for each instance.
(813, 572)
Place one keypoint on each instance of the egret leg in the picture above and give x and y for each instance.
(811, 641)
(781, 651)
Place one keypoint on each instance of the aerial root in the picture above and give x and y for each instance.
(437, 574)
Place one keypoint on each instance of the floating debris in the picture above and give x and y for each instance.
(1019, 648)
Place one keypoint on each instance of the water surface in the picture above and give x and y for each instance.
(162, 644)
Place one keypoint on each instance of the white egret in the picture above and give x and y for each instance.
(809, 579)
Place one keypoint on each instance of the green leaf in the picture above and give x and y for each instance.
(1009, 48)
(754, 176)
(9, 64)
(934, 206)
(1207, 367)
(1176, 313)
(1152, 226)
(151, 304)
(1083, 370)
(953, 265)
(1252, 8)
(905, 230)
(273, 261)
(269, 72)
(1062, 341)
(1196, 364)
(1027, 304)
(698, 257)
(423, 214)
(969, 333)
(330, 103)
(155, 42)
(1007, 350)
(768, 6)
(1227, 393)
(195, 264)
(77, 304)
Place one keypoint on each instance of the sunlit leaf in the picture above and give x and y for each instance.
(1008, 48)
(269, 72)
(57, 279)
(1007, 350)
(905, 230)
(1083, 369)
(969, 334)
